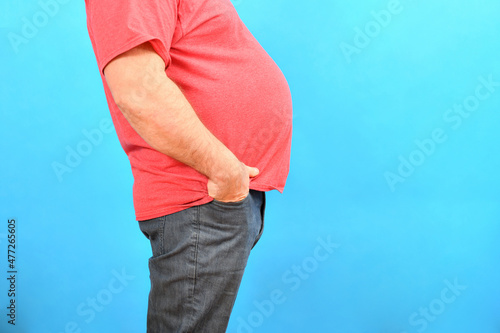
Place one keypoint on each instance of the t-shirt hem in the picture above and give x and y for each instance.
(174, 209)
(171, 210)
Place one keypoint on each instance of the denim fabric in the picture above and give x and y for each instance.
(199, 255)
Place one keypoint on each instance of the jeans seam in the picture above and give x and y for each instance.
(261, 211)
(196, 236)
(162, 240)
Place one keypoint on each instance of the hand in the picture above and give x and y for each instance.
(234, 185)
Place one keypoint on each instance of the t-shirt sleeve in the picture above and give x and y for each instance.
(116, 26)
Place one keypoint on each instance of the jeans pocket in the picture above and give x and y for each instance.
(231, 204)
(153, 230)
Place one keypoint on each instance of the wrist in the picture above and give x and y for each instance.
(227, 170)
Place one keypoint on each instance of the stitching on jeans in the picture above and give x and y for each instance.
(262, 213)
(162, 247)
(196, 236)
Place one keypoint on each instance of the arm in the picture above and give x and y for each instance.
(158, 111)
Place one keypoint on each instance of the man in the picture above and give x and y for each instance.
(205, 117)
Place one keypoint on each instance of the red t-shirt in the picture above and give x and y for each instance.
(234, 86)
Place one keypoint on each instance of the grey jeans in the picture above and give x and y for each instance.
(199, 255)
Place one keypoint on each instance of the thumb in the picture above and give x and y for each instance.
(252, 172)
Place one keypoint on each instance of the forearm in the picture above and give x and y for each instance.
(163, 117)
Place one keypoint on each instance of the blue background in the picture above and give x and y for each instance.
(358, 115)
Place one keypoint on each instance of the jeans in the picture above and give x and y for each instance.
(199, 256)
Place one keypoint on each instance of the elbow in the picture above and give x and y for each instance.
(130, 103)
(141, 110)
(137, 100)
(123, 102)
